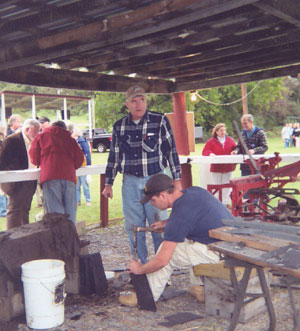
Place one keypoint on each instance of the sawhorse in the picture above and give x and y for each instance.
(240, 288)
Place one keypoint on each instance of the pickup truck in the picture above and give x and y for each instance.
(100, 139)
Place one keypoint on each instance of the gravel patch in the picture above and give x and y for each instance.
(105, 313)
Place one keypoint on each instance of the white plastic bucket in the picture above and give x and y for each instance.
(44, 293)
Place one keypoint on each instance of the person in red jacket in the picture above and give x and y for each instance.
(220, 144)
(58, 155)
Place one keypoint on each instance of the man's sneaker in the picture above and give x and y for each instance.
(89, 204)
(128, 299)
(198, 292)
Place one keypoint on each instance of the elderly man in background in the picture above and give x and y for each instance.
(14, 124)
(142, 145)
(255, 139)
(58, 155)
(14, 156)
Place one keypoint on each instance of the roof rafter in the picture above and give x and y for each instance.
(284, 9)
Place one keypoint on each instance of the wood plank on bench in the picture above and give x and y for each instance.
(255, 241)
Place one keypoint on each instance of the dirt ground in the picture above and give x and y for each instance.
(105, 313)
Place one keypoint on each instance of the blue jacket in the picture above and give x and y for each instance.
(84, 145)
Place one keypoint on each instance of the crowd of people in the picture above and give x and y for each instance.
(142, 148)
(58, 149)
(290, 135)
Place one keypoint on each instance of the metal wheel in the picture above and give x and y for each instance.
(101, 148)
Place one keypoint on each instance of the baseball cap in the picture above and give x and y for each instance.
(134, 91)
(156, 184)
(44, 119)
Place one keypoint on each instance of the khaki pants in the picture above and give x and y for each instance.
(186, 255)
(223, 178)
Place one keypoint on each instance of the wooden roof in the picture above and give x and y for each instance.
(164, 45)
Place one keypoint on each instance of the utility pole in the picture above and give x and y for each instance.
(244, 98)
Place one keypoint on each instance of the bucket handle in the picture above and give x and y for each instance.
(59, 293)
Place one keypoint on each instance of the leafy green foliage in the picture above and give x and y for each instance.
(109, 107)
(260, 101)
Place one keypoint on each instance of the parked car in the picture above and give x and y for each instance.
(100, 139)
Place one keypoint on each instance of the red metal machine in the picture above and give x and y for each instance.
(264, 184)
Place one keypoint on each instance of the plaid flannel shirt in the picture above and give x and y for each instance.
(142, 149)
(257, 142)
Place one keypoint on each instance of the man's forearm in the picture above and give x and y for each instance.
(151, 266)
(159, 261)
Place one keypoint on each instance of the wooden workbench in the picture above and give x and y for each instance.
(258, 252)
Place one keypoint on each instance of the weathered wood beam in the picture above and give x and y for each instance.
(42, 49)
(82, 80)
(283, 54)
(219, 48)
(206, 33)
(238, 79)
(122, 20)
(48, 13)
(91, 31)
(286, 10)
(238, 69)
(247, 46)
(163, 45)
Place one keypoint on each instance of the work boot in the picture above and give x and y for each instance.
(198, 292)
(128, 299)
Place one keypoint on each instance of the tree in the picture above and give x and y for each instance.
(261, 96)
(109, 107)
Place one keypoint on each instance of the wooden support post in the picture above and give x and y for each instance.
(181, 130)
(186, 175)
(103, 203)
(245, 99)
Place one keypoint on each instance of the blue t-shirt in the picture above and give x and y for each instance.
(193, 214)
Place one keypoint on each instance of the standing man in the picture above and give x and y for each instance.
(58, 155)
(142, 145)
(14, 124)
(14, 156)
(255, 139)
(195, 211)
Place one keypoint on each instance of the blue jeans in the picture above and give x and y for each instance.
(286, 142)
(60, 197)
(3, 205)
(81, 180)
(136, 213)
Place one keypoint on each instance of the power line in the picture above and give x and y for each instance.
(228, 103)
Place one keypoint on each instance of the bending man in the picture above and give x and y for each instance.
(194, 212)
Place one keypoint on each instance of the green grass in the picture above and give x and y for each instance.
(91, 215)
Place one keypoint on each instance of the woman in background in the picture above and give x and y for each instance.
(220, 144)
